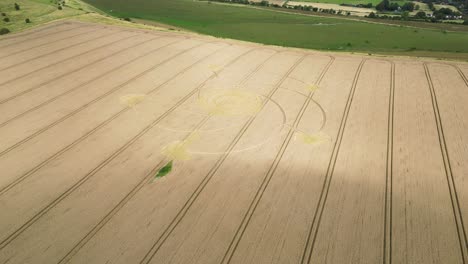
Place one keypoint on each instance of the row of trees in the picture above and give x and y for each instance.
(461, 5)
(296, 7)
(445, 13)
(369, 5)
(437, 14)
(421, 15)
(385, 5)
(321, 10)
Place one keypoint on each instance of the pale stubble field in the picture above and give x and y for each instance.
(278, 155)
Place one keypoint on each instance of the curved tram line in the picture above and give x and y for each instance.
(308, 137)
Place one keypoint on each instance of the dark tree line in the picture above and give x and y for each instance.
(385, 5)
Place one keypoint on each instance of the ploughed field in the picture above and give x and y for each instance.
(129, 146)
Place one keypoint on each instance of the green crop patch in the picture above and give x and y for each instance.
(164, 170)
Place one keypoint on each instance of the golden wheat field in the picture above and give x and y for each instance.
(128, 146)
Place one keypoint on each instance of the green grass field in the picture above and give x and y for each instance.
(245, 23)
(276, 28)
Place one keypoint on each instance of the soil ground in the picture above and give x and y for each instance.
(278, 155)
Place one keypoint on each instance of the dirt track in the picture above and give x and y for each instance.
(279, 155)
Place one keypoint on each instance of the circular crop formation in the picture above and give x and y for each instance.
(230, 102)
(237, 105)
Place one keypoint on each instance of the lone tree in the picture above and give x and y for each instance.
(382, 6)
(27, 20)
(420, 14)
(17, 7)
(6, 19)
(409, 6)
(4, 31)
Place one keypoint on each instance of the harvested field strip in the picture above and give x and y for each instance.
(99, 54)
(30, 98)
(326, 184)
(454, 196)
(54, 29)
(36, 64)
(418, 162)
(15, 60)
(69, 34)
(51, 66)
(362, 192)
(276, 155)
(253, 205)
